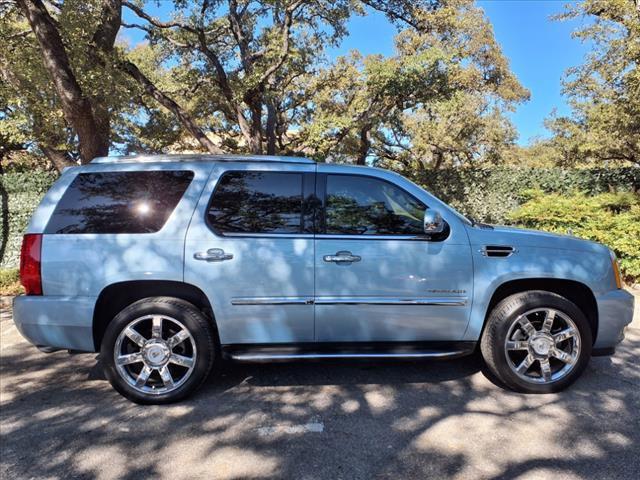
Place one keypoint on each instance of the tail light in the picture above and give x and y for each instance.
(30, 255)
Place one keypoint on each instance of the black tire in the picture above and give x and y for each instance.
(501, 320)
(192, 319)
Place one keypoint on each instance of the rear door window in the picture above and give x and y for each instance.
(119, 202)
(258, 202)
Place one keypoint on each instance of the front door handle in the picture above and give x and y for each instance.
(342, 257)
(213, 255)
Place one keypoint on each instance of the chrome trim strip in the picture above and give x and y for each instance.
(272, 301)
(258, 357)
(266, 235)
(433, 301)
(326, 236)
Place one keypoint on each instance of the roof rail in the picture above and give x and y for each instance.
(200, 158)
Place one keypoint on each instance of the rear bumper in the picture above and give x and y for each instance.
(615, 312)
(59, 322)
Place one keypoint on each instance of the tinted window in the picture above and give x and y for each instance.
(367, 206)
(257, 202)
(119, 202)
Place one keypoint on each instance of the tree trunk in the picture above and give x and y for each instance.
(75, 105)
(271, 128)
(100, 48)
(365, 145)
(254, 138)
(439, 159)
(59, 159)
(164, 100)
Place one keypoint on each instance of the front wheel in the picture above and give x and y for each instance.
(158, 350)
(536, 342)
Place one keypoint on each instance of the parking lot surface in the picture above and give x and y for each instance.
(59, 418)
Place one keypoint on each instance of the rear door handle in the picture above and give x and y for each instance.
(342, 257)
(213, 255)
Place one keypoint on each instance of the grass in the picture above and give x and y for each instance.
(10, 282)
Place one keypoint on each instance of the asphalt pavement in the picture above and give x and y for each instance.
(59, 418)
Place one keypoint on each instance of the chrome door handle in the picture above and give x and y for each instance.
(213, 255)
(342, 257)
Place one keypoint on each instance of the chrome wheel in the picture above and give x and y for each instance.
(155, 354)
(542, 345)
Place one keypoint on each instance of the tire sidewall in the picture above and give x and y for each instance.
(503, 317)
(190, 317)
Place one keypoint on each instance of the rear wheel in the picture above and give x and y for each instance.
(536, 342)
(158, 350)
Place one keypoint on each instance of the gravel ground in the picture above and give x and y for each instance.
(60, 419)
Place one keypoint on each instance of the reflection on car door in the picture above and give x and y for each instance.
(253, 254)
(378, 278)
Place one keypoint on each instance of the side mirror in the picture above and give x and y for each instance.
(433, 222)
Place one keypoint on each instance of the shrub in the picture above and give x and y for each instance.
(491, 194)
(20, 193)
(10, 282)
(609, 218)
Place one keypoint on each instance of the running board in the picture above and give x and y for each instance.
(371, 351)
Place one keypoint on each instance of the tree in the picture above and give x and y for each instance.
(439, 101)
(92, 129)
(603, 92)
(245, 53)
(252, 75)
(67, 88)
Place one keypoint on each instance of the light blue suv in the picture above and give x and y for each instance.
(168, 264)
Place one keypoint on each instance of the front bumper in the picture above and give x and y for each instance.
(52, 321)
(615, 312)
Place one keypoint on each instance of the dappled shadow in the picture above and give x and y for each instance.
(379, 420)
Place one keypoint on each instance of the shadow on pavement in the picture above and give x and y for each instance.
(59, 418)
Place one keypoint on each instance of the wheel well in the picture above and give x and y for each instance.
(116, 297)
(575, 292)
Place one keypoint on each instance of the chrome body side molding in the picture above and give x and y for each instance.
(433, 301)
(272, 301)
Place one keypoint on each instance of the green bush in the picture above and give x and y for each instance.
(10, 281)
(20, 194)
(609, 218)
(491, 194)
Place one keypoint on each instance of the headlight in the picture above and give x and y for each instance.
(616, 269)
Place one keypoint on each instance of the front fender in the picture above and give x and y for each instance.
(590, 269)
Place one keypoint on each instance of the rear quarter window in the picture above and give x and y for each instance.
(119, 202)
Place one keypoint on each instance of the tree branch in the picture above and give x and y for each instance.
(154, 21)
(184, 118)
(286, 36)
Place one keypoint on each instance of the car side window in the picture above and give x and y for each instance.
(119, 202)
(361, 205)
(257, 202)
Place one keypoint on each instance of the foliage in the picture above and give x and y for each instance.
(490, 194)
(609, 218)
(20, 192)
(604, 92)
(10, 281)
(253, 75)
(439, 101)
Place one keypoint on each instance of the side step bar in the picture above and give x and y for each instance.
(371, 351)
